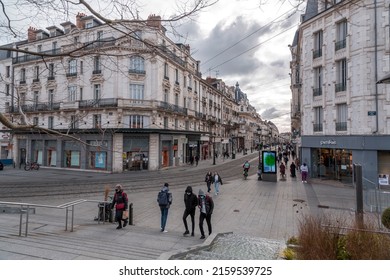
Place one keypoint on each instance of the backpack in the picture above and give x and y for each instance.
(162, 198)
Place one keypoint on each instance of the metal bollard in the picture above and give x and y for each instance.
(131, 214)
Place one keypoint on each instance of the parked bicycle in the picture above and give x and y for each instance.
(31, 166)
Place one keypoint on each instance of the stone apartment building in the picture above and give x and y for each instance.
(123, 98)
(340, 114)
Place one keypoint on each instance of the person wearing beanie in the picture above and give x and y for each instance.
(164, 200)
(206, 207)
(190, 203)
(121, 202)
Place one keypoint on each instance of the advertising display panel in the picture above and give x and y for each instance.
(269, 162)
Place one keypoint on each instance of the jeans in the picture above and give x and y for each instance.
(208, 221)
(192, 215)
(164, 217)
(216, 187)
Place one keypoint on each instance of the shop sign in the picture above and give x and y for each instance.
(383, 179)
(327, 142)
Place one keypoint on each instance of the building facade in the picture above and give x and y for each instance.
(341, 113)
(115, 99)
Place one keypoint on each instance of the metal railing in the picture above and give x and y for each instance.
(68, 207)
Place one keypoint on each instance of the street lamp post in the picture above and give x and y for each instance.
(260, 147)
(214, 149)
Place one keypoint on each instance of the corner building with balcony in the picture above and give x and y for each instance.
(341, 50)
(113, 98)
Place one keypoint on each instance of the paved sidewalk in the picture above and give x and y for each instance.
(256, 208)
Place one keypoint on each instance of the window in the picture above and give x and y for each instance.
(81, 67)
(318, 118)
(97, 92)
(136, 121)
(341, 72)
(72, 93)
(137, 65)
(23, 75)
(185, 102)
(317, 86)
(98, 160)
(166, 71)
(51, 71)
(342, 115)
(39, 48)
(72, 67)
(137, 38)
(176, 99)
(54, 47)
(96, 65)
(176, 124)
(36, 121)
(97, 121)
(166, 96)
(7, 71)
(318, 41)
(50, 122)
(89, 25)
(36, 74)
(76, 39)
(190, 82)
(7, 89)
(176, 76)
(341, 33)
(22, 99)
(74, 122)
(81, 93)
(50, 97)
(35, 98)
(165, 123)
(136, 91)
(99, 35)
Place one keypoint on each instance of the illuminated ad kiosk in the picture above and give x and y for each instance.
(269, 166)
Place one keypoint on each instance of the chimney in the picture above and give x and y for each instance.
(154, 21)
(31, 35)
(79, 22)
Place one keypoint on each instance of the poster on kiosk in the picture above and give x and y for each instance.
(269, 162)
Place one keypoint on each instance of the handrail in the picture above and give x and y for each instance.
(25, 208)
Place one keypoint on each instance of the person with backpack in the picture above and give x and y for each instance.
(164, 200)
(190, 203)
(120, 201)
(206, 207)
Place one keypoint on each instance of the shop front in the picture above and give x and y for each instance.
(332, 157)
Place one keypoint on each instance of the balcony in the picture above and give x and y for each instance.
(317, 53)
(341, 126)
(36, 80)
(341, 87)
(98, 103)
(22, 82)
(96, 72)
(51, 78)
(137, 71)
(30, 57)
(317, 91)
(340, 44)
(73, 74)
(171, 107)
(39, 107)
(317, 127)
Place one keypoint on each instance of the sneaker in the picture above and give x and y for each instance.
(125, 223)
(118, 227)
(165, 231)
(186, 232)
(202, 237)
(305, 181)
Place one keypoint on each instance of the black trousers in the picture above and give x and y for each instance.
(202, 217)
(192, 215)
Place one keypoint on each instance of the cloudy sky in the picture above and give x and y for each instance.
(245, 41)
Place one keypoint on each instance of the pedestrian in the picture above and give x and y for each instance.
(190, 203)
(196, 160)
(292, 169)
(208, 179)
(121, 202)
(217, 182)
(282, 169)
(206, 207)
(304, 171)
(164, 199)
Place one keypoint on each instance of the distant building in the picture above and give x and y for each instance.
(128, 98)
